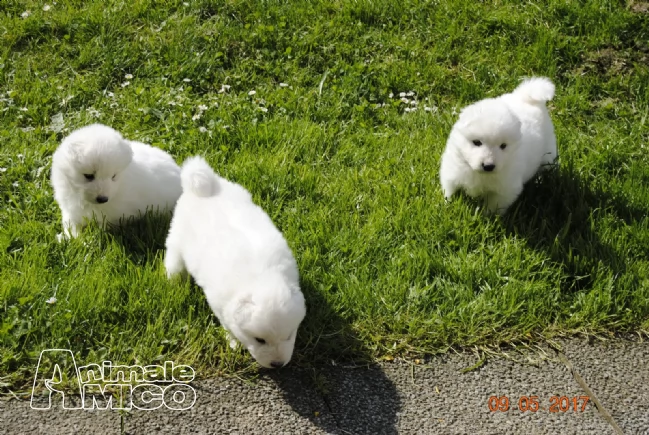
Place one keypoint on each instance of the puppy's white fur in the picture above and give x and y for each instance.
(241, 261)
(475, 159)
(95, 163)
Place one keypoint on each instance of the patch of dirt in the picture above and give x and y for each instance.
(610, 61)
(639, 7)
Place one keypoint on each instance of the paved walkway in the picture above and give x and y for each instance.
(432, 398)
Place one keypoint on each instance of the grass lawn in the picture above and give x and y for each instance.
(300, 103)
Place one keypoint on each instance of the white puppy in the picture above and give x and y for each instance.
(498, 144)
(96, 173)
(241, 261)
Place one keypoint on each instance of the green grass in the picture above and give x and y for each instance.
(350, 177)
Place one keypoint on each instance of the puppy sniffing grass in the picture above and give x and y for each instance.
(96, 173)
(498, 144)
(240, 260)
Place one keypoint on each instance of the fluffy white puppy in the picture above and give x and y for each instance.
(498, 144)
(240, 260)
(96, 173)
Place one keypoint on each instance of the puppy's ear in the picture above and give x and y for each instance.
(243, 310)
(74, 150)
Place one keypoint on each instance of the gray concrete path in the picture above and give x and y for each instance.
(431, 398)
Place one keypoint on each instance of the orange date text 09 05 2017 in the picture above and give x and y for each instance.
(531, 403)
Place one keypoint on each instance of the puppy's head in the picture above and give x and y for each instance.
(92, 159)
(266, 320)
(486, 135)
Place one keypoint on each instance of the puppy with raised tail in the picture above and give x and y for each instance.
(96, 173)
(240, 260)
(498, 144)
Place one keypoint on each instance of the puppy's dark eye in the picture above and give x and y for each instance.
(477, 143)
(503, 146)
(260, 340)
(89, 177)
(116, 174)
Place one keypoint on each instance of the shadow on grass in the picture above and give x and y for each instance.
(558, 214)
(142, 237)
(358, 396)
(332, 362)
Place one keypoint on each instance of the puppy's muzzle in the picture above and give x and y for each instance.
(101, 199)
(277, 364)
(488, 168)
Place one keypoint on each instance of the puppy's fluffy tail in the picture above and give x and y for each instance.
(536, 90)
(198, 178)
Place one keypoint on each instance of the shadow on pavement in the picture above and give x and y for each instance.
(360, 401)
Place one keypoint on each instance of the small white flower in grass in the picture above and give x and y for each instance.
(24, 109)
(224, 88)
(196, 117)
(57, 123)
(125, 84)
(66, 100)
(391, 95)
(110, 95)
(128, 76)
(25, 14)
(39, 171)
(430, 109)
(404, 100)
(3, 169)
(413, 103)
(187, 80)
(51, 300)
(20, 156)
(185, 4)
(27, 129)
(15, 184)
(47, 7)
(409, 109)
(283, 85)
(251, 93)
(263, 109)
(410, 94)
(202, 107)
(202, 129)
(402, 94)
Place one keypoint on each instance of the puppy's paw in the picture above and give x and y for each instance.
(62, 237)
(231, 340)
(180, 274)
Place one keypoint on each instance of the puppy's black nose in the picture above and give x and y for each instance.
(488, 168)
(277, 364)
(102, 199)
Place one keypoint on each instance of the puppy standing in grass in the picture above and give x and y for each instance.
(96, 173)
(240, 260)
(498, 144)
